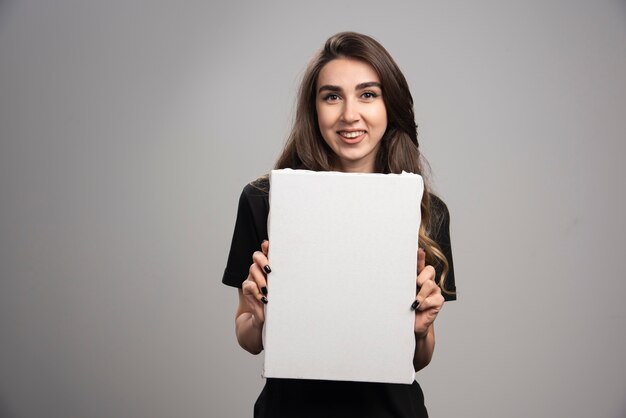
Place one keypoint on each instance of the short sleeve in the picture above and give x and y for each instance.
(250, 231)
(441, 235)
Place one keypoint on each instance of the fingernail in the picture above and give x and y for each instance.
(264, 299)
(264, 290)
(415, 304)
(267, 269)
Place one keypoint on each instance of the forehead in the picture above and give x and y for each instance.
(346, 72)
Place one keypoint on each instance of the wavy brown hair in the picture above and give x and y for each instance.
(399, 149)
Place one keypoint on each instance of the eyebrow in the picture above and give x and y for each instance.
(360, 86)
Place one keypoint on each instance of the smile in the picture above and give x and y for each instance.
(351, 134)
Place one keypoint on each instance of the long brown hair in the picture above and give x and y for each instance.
(399, 149)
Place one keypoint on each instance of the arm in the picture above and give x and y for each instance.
(424, 348)
(427, 305)
(248, 326)
(250, 316)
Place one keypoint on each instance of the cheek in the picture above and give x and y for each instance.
(320, 116)
(321, 123)
(324, 119)
(381, 117)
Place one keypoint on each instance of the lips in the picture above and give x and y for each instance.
(351, 134)
(352, 137)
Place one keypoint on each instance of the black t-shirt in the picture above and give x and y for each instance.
(286, 398)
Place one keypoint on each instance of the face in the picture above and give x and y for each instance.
(351, 113)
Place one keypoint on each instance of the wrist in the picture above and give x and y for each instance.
(256, 323)
(422, 335)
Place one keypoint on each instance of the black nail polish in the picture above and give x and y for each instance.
(264, 299)
(267, 269)
(415, 305)
(264, 290)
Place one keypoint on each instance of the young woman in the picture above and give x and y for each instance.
(355, 114)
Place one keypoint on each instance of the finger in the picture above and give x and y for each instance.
(427, 289)
(257, 276)
(433, 302)
(260, 260)
(251, 290)
(424, 320)
(421, 260)
(265, 247)
(427, 273)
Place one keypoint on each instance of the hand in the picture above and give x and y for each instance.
(255, 286)
(429, 299)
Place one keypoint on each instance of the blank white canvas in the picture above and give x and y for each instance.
(343, 252)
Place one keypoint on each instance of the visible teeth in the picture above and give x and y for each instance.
(352, 134)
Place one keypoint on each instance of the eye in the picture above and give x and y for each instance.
(369, 95)
(331, 97)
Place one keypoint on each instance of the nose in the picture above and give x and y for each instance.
(350, 113)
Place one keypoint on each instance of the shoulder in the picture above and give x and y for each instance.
(438, 208)
(439, 219)
(437, 203)
(255, 197)
(257, 188)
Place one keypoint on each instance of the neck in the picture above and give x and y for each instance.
(354, 167)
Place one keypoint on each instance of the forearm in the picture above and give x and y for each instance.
(424, 348)
(249, 334)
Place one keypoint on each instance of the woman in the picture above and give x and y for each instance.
(355, 114)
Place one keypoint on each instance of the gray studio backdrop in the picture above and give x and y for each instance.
(128, 129)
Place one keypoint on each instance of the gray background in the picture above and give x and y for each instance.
(128, 129)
